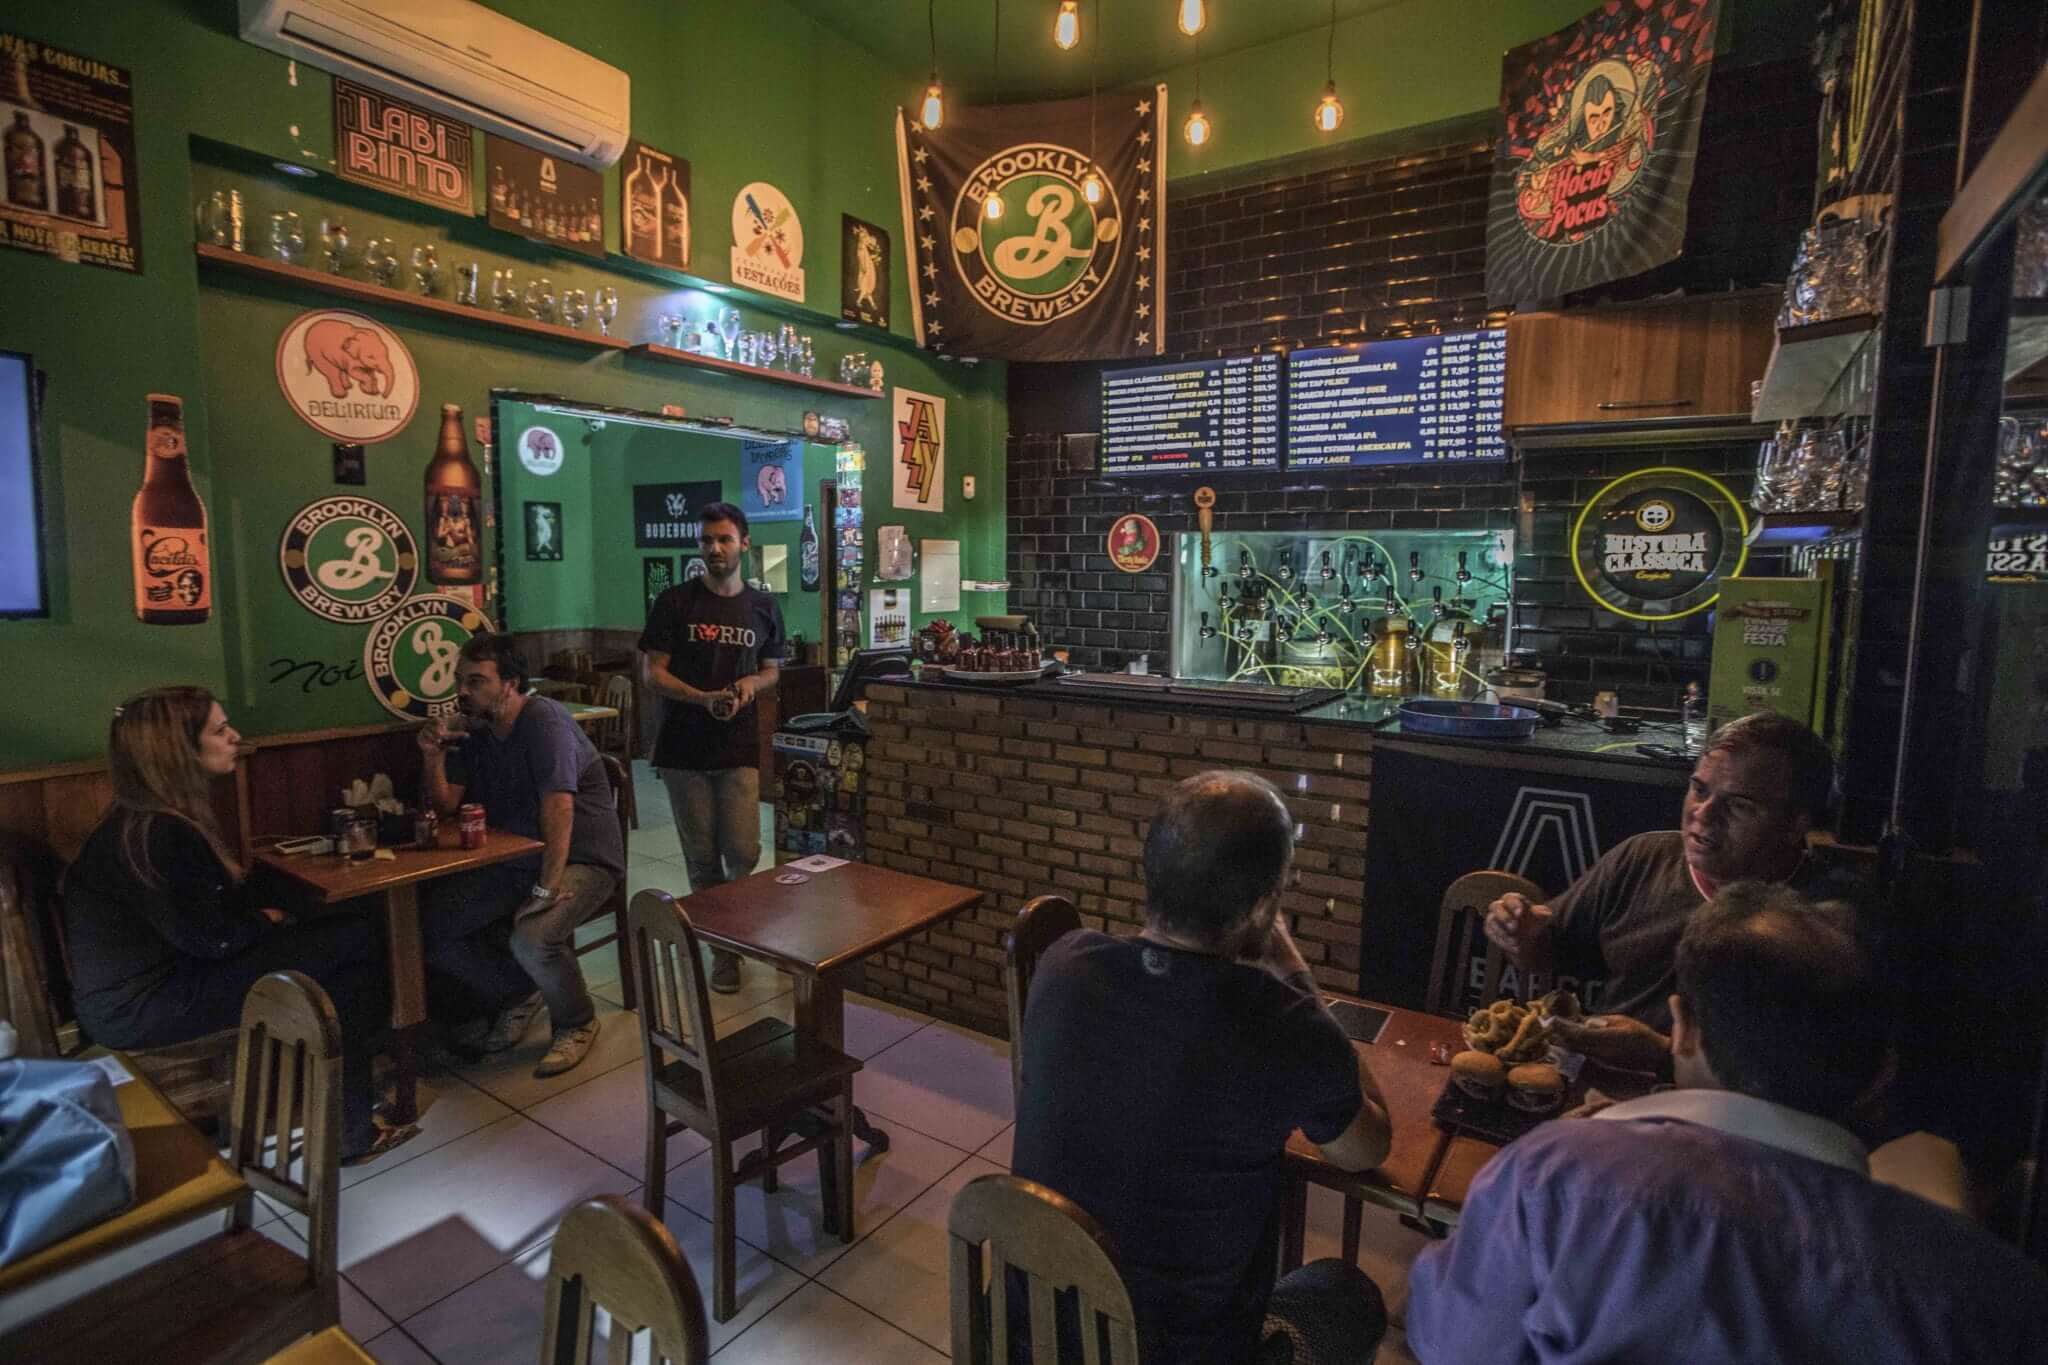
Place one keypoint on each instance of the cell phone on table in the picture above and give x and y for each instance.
(1361, 1023)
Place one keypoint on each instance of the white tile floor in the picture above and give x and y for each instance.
(444, 1244)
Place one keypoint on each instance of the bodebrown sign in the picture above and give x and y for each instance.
(391, 145)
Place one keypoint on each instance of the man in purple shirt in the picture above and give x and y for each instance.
(1734, 1218)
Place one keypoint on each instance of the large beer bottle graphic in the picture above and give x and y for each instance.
(173, 572)
(28, 176)
(807, 553)
(455, 524)
(74, 178)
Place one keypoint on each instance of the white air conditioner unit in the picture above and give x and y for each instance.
(462, 60)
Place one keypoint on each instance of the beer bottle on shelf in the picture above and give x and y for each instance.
(454, 521)
(173, 572)
(74, 178)
(807, 552)
(28, 180)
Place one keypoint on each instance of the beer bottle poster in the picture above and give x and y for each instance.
(67, 129)
(173, 568)
(654, 205)
(544, 197)
(863, 272)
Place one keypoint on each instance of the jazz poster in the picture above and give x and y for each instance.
(767, 469)
(67, 126)
(390, 145)
(863, 272)
(1595, 163)
(917, 464)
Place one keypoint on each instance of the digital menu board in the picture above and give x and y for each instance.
(1190, 417)
(1415, 400)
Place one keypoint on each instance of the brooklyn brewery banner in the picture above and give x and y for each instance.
(1595, 161)
(1008, 256)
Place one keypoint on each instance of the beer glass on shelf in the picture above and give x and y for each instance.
(729, 331)
(671, 330)
(380, 258)
(1856, 476)
(607, 303)
(575, 307)
(287, 238)
(807, 359)
(211, 216)
(504, 290)
(540, 299)
(2015, 462)
(466, 276)
(426, 268)
(786, 346)
(334, 244)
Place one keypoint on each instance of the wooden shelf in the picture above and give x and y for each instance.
(733, 367)
(362, 291)
(1780, 528)
(1816, 370)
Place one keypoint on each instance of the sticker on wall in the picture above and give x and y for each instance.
(1654, 545)
(766, 471)
(654, 205)
(546, 198)
(67, 123)
(349, 465)
(544, 531)
(347, 376)
(390, 145)
(888, 618)
(657, 576)
(917, 480)
(348, 559)
(767, 242)
(1133, 543)
(409, 658)
(540, 451)
(863, 272)
(691, 567)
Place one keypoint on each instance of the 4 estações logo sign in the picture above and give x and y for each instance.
(1026, 242)
(767, 242)
(1654, 545)
(347, 376)
(409, 659)
(348, 559)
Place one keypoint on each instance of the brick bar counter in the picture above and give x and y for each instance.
(1027, 791)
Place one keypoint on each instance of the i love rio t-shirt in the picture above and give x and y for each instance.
(711, 641)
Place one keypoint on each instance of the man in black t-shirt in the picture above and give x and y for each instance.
(1164, 1073)
(712, 645)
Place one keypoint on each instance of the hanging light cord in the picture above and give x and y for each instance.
(1094, 68)
(1330, 53)
(931, 24)
(995, 54)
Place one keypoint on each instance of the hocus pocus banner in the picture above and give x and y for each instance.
(1009, 255)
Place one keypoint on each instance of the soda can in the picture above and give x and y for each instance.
(472, 825)
(426, 828)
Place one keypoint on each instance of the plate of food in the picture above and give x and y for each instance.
(1511, 1075)
(1011, 676)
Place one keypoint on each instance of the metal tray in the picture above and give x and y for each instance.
(1468, 719)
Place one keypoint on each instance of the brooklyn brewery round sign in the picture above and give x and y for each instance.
(1654, 545)
(409, 658)
(1026, 242)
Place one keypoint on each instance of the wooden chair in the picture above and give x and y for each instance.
(1000, 1223)
(331, 1347)
(1043, 920)
(238, 1296)
(615, 904)
(608, 1254)
(1460, 927)
(616, 736)
(766, 1078)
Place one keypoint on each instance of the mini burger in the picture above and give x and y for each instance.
(1535, 1086)
(1479, 1074)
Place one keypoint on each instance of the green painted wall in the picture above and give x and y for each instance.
(745, 92)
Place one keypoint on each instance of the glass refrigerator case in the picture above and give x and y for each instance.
(1382, 614)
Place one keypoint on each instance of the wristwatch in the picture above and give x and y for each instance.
(541, 893)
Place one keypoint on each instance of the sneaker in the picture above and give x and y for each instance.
(510, 1026)
(725, 972)
(570, 1047)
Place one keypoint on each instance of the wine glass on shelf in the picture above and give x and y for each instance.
(540, 299)
(334, 244)
(786, 345)
(287, 238)
(729, 331)
(607, 305)
(210, 214)
(381, 259)
(575, 307)
(426, 268)
(466, 276)
(807, 359)
(504, 290)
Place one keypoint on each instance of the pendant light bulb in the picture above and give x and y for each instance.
(1091, 186)
(1197, 126)
(1193, 17)
(933, 111)
(1066, 28)
(993, 207)
(1330, 110)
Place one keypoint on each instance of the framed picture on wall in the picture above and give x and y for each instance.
(657, 576)
(544, 530)
(691, 566)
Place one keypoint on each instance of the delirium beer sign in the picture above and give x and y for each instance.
(1654, 545)
(347, 376)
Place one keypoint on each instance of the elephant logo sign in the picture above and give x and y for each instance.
(347, 376)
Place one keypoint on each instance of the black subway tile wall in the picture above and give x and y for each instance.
(1394, 247)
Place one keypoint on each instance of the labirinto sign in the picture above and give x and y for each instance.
(1654, 545)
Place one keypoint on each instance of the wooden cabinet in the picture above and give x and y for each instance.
(1688, 359)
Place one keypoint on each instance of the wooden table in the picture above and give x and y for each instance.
(1411, 1083)
(395, 881)
(560, 689)
(584, 713)
(816, 929)
(178, 1177)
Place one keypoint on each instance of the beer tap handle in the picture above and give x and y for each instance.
(1464, 572)
(1415, 566)
(1328, 572)
(1436, 609)
(1208, 631)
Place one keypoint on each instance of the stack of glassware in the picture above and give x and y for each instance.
(1839, 269)
(1815, 468)
(2022, 476)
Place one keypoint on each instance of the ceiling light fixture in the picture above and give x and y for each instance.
(1066, 26)
(1329, 111)
(1193, 17)
(933, 112)
(1091, 183)
(1197, 129)
(993, 205)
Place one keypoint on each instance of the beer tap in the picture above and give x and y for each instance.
(1464, 574)
(1286, 571)
(1328, 572)
(1244, 564)
(1436, 609)
(1415, 566)
(1208, 632)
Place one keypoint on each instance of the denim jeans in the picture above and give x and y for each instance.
(718, 821)
(466, 941)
